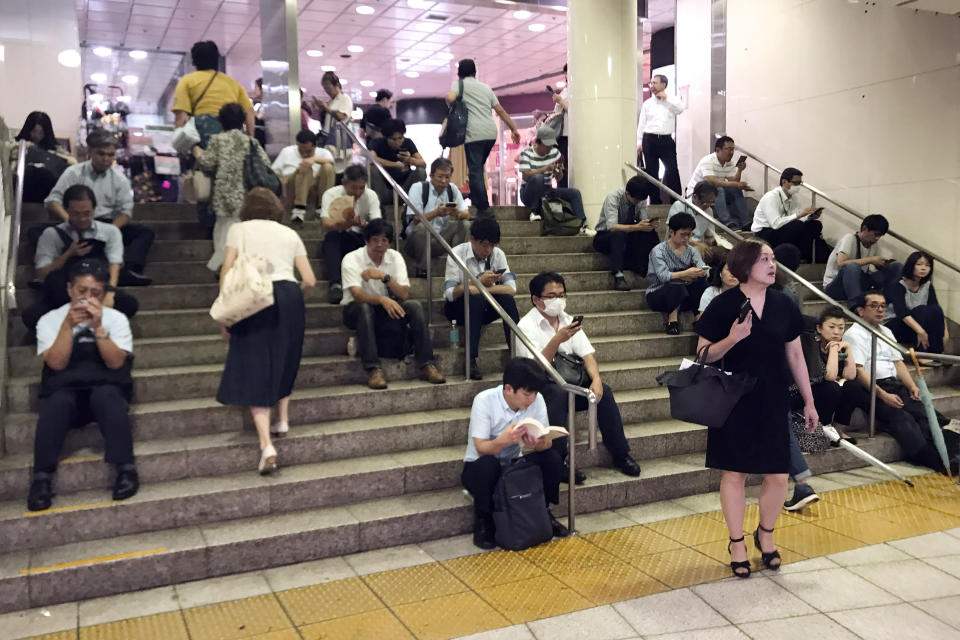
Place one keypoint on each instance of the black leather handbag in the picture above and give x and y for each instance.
(571, 367)
(705, 395)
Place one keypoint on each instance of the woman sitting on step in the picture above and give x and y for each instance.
(913, 312)
(265, 348)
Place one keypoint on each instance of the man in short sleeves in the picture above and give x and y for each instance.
(856, 264)
(718, 169)
(400, 157)
(443, 207)
(305, 169)
(344, 233)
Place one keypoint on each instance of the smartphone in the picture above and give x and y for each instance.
(577, 319)
(654, 219)
(451, 205)
(744, 310)
(742, 160)
(550, 90)
(500, 272)
(817, 212)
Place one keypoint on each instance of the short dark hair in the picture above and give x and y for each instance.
(384, 93)
(789, 174)
(703, 189)
(722, 140)
(911, 262)
(682, 220)
(742, 257)
(876, 223)
(485, 230)
(833, 311)
(466, 68)
(305, 136)
(638, 187)
(205, 55)
(35, 118)
(99, 138)
(861, 300)
(231, 116)
(392, 126)
(89, 267)
(440, 164)
(663, 79)
(524, 373)
(79, 192)
(788, 255)
(540, 281)
(261, 204)
(354, 173)
(330, 77)
(377, 227)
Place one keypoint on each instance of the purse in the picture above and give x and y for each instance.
(257, 173)
(809, 442)
(570, 367)
(247, 288)
(185, 138)
(705, 395)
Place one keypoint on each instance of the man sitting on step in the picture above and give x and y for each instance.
(553, 331)
(779, 218)
(677, 273)
(377, 305)
(86, 348)
(718, 169)
(495, 441)
(62, 246)
(304, 168)
(114, 203)
(624, 233)
(539, 164)
(488, 262)
(443, 205)
(856, 263)
(704, 238)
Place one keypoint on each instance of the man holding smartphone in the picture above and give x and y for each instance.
(719, 170)
(443, 207)
(539, 164)
(658, 121)
(779, 219)
(855, 265)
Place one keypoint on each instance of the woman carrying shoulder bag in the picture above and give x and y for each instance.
(265, 348)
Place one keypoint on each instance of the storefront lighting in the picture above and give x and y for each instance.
(366, 83)
(314, 53)
(69, 58)
(98, 77)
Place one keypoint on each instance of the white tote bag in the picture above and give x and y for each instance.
(247, 287)
(185, 138)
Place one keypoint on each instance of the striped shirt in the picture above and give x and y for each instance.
(664, 262)
(530, 160)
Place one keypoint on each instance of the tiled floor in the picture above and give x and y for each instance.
(872, 559)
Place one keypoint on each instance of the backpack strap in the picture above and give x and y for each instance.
(67, 240)
(460, 94)
(425, 194)
(193, 104)
(450, 197)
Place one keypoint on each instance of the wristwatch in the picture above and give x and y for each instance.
(385, 279)
(104, 335)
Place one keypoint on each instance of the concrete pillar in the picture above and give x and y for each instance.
(602, 68)
(281, 72)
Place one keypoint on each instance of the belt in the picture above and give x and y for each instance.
(658, 135)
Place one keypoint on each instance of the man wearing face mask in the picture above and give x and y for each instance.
(779, 219)
(553, 331)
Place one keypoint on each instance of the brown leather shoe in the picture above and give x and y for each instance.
(375, 379)
(431, 374)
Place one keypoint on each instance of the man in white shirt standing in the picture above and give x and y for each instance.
(779, 219)
(443, 205)
(718, 169)
(304, 169)
(377, 305)
(658, 121)
(554, 332)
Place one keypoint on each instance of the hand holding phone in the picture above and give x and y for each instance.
(745, 309)
(578, 320)
(742, 160)
(500, 272)
(450, 205)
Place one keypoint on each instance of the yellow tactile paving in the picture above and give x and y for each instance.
(916, 519)
(924, 488)
(236, 619)
(681, 567)
(283, 634)
(870, 527)
(86, 561)
(632, 542)
(811, 540)
(412, 584)
(534, 599)
(489, 569)
(372, 624)
(61, 635)
(944, 505)
(691, 530)
(859, 499)
(567, 555)
(817, 511)
(752, 515)
(336, 599)
(449, 617)
(165, 625)
(609, 583)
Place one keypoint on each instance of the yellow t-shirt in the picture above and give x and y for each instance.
(223, 90)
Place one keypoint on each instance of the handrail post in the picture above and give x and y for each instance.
(571, 460)
(766, 179)
(592, 422)
(466, 326)
(396, 220)
(873, 384)
(429, 252)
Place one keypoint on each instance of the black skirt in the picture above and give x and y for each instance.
(265, 351)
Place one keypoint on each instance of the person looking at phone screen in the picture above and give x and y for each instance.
(539, 164)
(719, 170)
(780, 218)
(442, 205)
(624, 233)
(856, 264)
(677, 273)
(704, 238)
(399, 156)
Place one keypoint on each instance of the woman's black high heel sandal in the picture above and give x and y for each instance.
(740, 569)
(766, 558)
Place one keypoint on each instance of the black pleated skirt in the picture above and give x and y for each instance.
(265, 351)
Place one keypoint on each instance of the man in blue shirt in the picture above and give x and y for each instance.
(443, 206)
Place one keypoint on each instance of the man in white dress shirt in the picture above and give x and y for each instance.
(304, 168)
(718, 169)
(658, 121)
(779, 219)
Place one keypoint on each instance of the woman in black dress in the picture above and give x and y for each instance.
(755, 438)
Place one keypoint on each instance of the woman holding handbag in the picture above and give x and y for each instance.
(265, 348)
(755, 330)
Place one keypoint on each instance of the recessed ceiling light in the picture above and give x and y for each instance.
(103, 52)
(505, 1)
(130, 79)
(314, 53)
(328, 67)
(522, 14)
(69, 58)
(536, 26)
(98, 77)
(411, 74)
(407, 92)
(138, 54)
(124, 99)
(420, 4)
(364, 10)
(355, 48)
(366, 83)
(457, 30)
(344, 81)
(372, 94)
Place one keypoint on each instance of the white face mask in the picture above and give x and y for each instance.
(554, 306)
(793, 189)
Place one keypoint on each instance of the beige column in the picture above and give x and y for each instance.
(602, 68)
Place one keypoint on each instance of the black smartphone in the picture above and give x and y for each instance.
(744, 310)
(451, 205)
(550, 90)
(742, 160)
(577, 319)
(500, 272)
(817, 212)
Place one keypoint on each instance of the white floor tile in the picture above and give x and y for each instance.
(757, 598)
(910, 579)
(700, 503)
(516, 632)
(953, 532)
(873, 554)
(128, 605)
(928, 546)
(603, 521)
(943, 609)
(214, 590)
(450, 548)
(894, 622)
(42, 620)
(797, 628)
(306, 574)
(834, 590)
(813, 564)
(947, 564)
(600, 623)
(379, 560)
(720, 633)
(659, 613)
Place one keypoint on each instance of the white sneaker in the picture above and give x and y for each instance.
(297, 214)
(587, 231)
(534, 217)
(280, 429)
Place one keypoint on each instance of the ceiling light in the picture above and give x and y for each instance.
(98, 77)
(130, 79)
(366, 83)
(314, 53)
(411, 74)
(69, 58)
(536, 26)
(372, 94)
(561, 84)
(355, 48)
(522, 14)
(420, 4)
(457, 31)
(124, 99)
(407, 92)
(344, 81)
(103, 52)
(505, 1)
(364, 10)
(328, 67)
(138, 54)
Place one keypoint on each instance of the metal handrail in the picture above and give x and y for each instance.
(8, 299)
(571, 389)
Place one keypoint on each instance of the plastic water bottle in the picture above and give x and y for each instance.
(454, 334)
(352, 346)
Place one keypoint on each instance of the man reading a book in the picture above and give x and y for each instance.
(495, 441)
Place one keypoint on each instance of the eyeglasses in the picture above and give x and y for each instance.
(876, 305)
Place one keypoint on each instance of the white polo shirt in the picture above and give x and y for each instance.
(859, 339)
(536, 327)
(114, 321)
(367, 206)
(289, 159)
(491, 415)
(358, 261)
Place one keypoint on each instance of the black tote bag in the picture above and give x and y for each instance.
(705, 395)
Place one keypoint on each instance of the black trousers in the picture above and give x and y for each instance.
(930, 317)
(800, 233)
(609, 420)
(481, 313)
(657, 149)
(562, 146)
(627, 249)
(827, 396)
(66, 409)
(55, 295)
(480, 477)
(371, 321)
(476, 155)
(676, 296)
(137, 240)
(337, 244)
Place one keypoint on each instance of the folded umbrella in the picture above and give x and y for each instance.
(926, 398)
(863, 455)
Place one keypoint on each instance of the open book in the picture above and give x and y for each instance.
(536, 429)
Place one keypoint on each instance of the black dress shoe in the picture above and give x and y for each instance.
(620, 283)
(131, 278)
(559, 531)
(475, 373)
(483, 530)
(41, 492)
(672, 329)
(334, 293)
(578, 476)
(628, 466)
(127, 484)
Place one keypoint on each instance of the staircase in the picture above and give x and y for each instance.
(360, 469)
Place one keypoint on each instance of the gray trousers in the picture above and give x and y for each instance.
(454, 232)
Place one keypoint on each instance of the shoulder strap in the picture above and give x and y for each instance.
(857, 238)
(450, 197)
(460, 94)
(425, 194)
(67, 240)
(193, 105)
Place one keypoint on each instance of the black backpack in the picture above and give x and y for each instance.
(519, 510)
(453, 131)
(424, 196)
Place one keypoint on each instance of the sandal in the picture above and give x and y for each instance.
(734, 566)
(766, 558)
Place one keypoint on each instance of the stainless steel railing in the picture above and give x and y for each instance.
(10, 223)
(470, 278)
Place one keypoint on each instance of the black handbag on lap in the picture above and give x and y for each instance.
(571, 367)
(705, 395)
